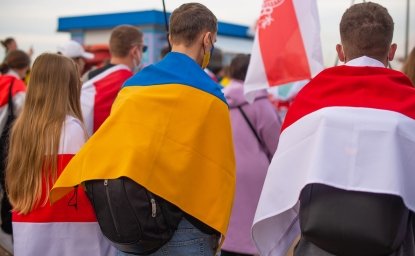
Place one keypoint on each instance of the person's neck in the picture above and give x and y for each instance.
(18, 73)
(384, 61)
(192, 52)
(122, 60)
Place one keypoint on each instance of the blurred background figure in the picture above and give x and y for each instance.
(224, 76)
(255, 129)
(12, 96)
(164, 51)
(10, 44)
(16, 64)
(101, 58)
(215, 64)
(76, 52)
(408, 67)
(126, 47)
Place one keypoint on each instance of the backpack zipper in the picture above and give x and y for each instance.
(110, 206)
(153, 207)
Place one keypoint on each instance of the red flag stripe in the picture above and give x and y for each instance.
(98, 94)
(106, 92)
(352, 91)
(281, 43)
(75, 207)
(5, 82)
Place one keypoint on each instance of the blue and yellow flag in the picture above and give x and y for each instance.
(169, 130)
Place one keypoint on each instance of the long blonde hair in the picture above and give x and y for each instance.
(409, 66)
(53, 93)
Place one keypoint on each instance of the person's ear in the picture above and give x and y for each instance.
(134, 51)
(391, 53)
(207, 40)
(170, 41)
(340, 52)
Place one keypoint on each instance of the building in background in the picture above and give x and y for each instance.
(93, 31)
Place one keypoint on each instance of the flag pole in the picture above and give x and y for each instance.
(407, 30)
(166, 23)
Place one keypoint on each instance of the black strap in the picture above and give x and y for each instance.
(10, 100)
(261, 142)
(5, 212)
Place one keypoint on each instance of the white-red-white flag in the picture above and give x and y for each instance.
(349, 128)
(287, 44)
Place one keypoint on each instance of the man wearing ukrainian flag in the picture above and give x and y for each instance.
(169, 131)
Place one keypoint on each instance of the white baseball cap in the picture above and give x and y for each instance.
(73, 49)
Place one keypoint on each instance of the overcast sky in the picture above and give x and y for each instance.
(34, 23)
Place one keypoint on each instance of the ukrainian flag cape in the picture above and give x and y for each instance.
(169, 130)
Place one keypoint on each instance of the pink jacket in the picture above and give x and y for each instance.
(251, 161)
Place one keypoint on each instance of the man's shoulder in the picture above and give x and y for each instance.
(112, 74)
(344, 70)
(352, 75)
(98, 71)
(176, 68)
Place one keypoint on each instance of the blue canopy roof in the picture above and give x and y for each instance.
(139, 18)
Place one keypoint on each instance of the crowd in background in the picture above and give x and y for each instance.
(50, 108)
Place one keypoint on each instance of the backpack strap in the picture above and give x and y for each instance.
(261, 142)
(10, 100)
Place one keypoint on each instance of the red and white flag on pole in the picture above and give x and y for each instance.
(287, 45)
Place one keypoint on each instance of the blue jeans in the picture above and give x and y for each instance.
(186, 241)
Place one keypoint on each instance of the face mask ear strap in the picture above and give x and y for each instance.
(213, 46)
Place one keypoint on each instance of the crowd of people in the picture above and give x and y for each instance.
(186, 166)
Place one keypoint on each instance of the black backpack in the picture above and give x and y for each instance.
(6, 216)
(134, 219)
(352, 223)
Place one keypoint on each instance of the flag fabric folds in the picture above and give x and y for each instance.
(352, 128)
(169, 130)
(99, 93)
(287, 44)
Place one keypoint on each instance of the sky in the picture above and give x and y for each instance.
(34, 23)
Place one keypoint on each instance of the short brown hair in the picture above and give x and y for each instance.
(366, 29)
(190, 20)
(239, 66)
(7, 41)
(123, 38)
(15, 59)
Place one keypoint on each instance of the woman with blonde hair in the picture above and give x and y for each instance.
(46, 135)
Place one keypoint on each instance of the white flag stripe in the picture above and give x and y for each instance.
(256, 76)
(308, 20)
(88, 239)
(72, 137)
